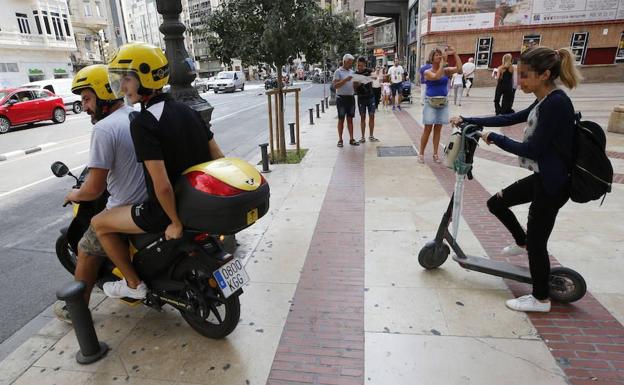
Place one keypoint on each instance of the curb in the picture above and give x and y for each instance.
(18, 153)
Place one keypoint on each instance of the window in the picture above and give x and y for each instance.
(46, 22)
(56, 23)
(66, 25)
(24, 96)
(98, 9)
(87, 9)
(9, 67)
(37, 22)
(41, 94)
(22, 22)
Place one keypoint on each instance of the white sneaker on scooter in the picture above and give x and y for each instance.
(528, 303)
(120, 289)
(512, 250)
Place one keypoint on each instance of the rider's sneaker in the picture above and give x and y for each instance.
(61, 312)
(528, 303)
(513, 250)
(120, 289)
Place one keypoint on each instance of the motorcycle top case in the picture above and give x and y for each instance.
(222, 196)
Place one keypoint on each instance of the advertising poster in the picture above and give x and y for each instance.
(578, 45)
(526, 12)
(513, 12)
(530, 41)
(619, 55)
(476, 14)
(483, 52)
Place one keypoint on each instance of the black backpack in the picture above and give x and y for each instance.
(591, 172)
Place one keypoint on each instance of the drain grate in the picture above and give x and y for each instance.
(396, 151)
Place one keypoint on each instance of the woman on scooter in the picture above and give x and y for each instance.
(547, 143)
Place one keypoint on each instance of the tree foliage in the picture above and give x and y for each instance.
(272, 31)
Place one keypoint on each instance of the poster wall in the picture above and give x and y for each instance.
(453, 16)
(619, 55)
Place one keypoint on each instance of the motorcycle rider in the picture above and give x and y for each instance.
(168, 137)
(112, 166)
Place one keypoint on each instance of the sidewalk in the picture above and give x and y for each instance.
(338, 297)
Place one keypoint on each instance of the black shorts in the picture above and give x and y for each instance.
(150, 217)
(345, 106)
(395, 88)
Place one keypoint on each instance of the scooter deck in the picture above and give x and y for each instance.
(497, 268)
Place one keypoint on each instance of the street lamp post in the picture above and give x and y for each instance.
(181, 66)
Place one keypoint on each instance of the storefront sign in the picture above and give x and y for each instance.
(530, 41)
(619, 55)
(378, 52)
(385, 34)
(483, 52)
(579, 46)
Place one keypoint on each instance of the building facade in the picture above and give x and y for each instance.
(487, 29)
(36, 40)
(90, 20)
(143, 21)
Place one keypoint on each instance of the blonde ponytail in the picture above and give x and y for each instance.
(569, 74)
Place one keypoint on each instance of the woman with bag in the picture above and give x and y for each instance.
(548, 140)
(435, 111)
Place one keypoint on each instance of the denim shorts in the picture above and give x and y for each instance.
(432, 115)
(345, 106)
(366, 104)
(395, 87)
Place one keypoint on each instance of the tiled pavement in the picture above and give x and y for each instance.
(337, 295)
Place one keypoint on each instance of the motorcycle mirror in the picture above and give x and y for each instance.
(59, 169)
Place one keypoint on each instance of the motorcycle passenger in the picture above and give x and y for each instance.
(112, 165)
(168, 137)
(547, 144)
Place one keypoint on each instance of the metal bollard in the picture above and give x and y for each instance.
(318, 114)
(292, 133)
(265, 157)
(91, 350)
(311, 116)
(322, 106)
(326, 101)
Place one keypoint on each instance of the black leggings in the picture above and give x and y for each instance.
(542, 215)
(507, 94)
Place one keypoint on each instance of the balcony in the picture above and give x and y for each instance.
(10, 39)
(91, 22)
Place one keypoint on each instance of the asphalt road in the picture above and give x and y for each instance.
(30, 197)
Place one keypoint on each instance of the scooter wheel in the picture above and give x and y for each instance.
(566, 285)
(65, 254)
(433, 255)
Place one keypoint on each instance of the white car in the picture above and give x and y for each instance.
(229, 81)
(62, 88)
(211, 82)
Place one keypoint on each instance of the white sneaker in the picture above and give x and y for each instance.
(514, 249)
(528, 303)
(120, 289)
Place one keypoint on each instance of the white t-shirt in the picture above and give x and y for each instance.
(396, 74)
(458, 79)
(468, 70)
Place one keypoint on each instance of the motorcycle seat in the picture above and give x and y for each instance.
(140, 241)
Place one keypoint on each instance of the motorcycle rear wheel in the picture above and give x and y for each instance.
(207, 302)
(65, 255)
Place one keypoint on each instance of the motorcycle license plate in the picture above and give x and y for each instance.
(231, 277)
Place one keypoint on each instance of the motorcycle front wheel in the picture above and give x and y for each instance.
(65, 254)
(213, 315)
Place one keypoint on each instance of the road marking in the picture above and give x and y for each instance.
(41, 152)
(237, 112)
(83, 151)
(35, 183)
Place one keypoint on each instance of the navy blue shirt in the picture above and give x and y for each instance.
(551, 143)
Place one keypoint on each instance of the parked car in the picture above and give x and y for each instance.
(24, 105)
(62, 88)
(229, 81)
(200, 84)
(210, 83)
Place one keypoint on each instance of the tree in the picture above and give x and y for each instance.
(274, 31)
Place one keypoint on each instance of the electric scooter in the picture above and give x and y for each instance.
(566, 285)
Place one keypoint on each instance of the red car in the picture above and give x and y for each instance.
(23, 105)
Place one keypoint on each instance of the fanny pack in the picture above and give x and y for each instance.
(437, 101)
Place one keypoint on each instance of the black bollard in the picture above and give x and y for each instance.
(311, 116)
(91, 350)
(292, 133)
(322, 106)
(318, 114)
(265, 157)
(326, 101)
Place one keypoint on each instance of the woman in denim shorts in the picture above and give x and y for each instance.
(435, 111)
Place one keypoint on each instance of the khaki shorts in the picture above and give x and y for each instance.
(90, 245)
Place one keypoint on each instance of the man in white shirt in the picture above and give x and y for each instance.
(396, 78)
(468, 70)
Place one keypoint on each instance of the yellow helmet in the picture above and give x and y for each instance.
(147, 62)
(94, 77)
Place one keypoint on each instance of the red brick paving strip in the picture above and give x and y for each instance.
(585, 339)
(323, 339)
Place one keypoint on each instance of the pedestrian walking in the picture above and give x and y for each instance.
(345, 98)
(547, 146)
(468, 69)
(377, 80)
(504, 86)
(365, 101)
(423, 85)
(396, 78)
(386, 90)
(435, 111)
(458, 88)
